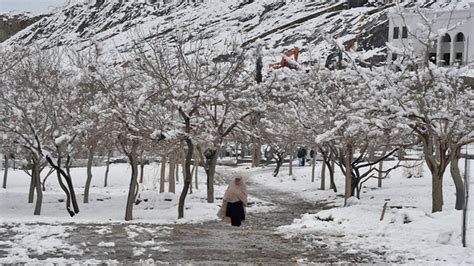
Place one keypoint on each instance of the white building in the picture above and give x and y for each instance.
(451, 30)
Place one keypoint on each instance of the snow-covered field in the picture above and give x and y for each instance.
(47, 233)
(107, 204)
(411, 234)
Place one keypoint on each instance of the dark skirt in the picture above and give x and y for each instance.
(236, 212)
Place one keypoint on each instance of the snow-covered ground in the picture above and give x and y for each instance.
(47, 233)
(107, 204)
(410, 234)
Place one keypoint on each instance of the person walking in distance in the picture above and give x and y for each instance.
(234, 202)
(301, 156)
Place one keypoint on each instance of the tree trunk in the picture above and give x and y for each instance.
(5, 171)
(437, 162)
(193, 162)
(187, 178)
(458, 180)
(192, 174)
(467, 173)
(210, 177)
(279, 163)
(323, 175)
(133, 189)
(43, 185)
(401, 154)
(162, 174)
(142, 167)
(256, 154)
(236, 152)
(183, 163)
(254, 160)
(39, 193)
(357, 189)
(371, 154)
(380, 175)
(290, 168)
(64, 188)
(176, 169)
(90, 158)
(437, 192)
(331, 174)
(31, 193)
(107, 168)
(68, 166)
(171, 172)
(348, 187)
(313, 166)
(69, 190)
(196, 164)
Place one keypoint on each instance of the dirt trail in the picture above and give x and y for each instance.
(211, 242)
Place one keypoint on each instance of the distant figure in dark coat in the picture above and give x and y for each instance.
(234, 202)
(301, 156)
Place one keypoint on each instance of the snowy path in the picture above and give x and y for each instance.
(183, 243)
(257, 240)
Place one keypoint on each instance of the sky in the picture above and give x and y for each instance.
(33, 6)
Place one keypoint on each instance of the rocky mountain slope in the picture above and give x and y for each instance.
(10, 24)
(276, 25)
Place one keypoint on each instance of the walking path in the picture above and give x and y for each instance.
(256, 241)
(211, 242)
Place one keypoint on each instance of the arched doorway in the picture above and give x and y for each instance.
(458, 49)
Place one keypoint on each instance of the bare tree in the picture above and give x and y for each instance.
(205, 90)
(435, 103)
(33, 103)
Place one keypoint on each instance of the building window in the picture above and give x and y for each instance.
(404, 32)
(446, 38)
(460, 37)
(396, 32)
(459, 58)
(446, 59)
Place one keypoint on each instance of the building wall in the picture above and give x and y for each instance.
(450, 22)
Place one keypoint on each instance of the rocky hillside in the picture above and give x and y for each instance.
(276, 25)
(10, 24)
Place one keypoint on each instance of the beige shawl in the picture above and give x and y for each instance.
(236, 191)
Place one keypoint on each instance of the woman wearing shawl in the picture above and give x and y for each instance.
(234, 202)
